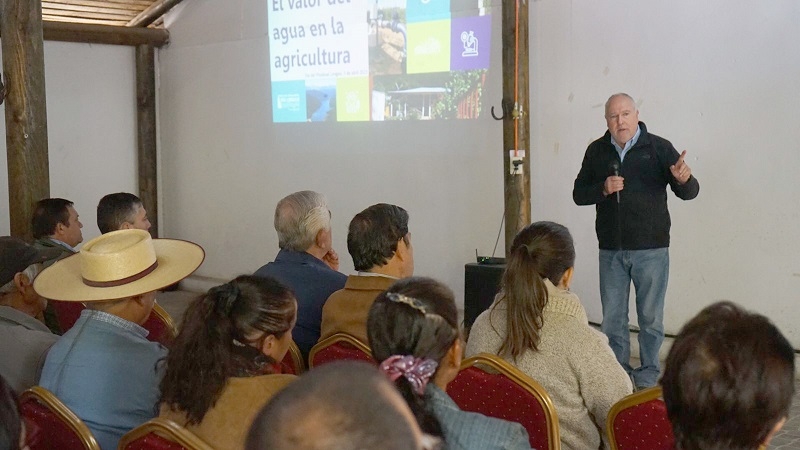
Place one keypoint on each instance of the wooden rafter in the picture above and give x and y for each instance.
(103, 34)
(153, 13)
(130, 13)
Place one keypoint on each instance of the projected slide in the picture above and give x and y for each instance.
(376, 60)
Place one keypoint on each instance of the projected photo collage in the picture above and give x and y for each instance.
(377, 60)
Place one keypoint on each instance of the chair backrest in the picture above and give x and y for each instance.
(67, 313)
(293, 361)
(639, 421)
(489, 385)
(58, 427)
(161, 327)
(161, 434)
(338, 347)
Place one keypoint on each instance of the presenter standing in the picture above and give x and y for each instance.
(625, 174)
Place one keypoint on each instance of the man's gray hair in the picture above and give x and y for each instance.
(298, 219)
(620, 94)
(30, 272)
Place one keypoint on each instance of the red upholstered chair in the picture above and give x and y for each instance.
(639, 422)
(337, 347)
(293, 361)
(67, 313)
(58, 428)
(160, 325)
(489, 385)
(161, 434)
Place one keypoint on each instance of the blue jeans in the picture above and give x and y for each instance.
(649, 271)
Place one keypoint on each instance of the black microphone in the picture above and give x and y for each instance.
(614, 166)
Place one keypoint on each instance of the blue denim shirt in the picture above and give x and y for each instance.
(107, 372)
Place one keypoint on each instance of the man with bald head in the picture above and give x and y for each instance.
(339, 406)
(625, 174)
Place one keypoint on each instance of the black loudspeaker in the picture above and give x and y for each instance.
(481, 284)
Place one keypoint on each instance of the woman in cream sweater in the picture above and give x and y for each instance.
(220, 370)
(538, 325)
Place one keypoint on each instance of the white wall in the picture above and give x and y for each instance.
(719, 79)
(225, 164)
(91, 124)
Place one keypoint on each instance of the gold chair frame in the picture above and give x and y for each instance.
(297, 358)
(164, 316)
(338, 337)
(637, 398)
(498, 365)
(643, 396)
(166, 429)
(51, 402)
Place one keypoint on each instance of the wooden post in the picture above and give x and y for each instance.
(146, 120)
(516, 123)
(26, 112)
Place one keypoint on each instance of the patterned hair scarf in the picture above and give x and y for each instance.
(417, 371)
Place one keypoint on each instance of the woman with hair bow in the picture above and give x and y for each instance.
(413, 332)
(222, 367)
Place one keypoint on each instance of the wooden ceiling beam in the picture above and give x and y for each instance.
(104, 34)
(153, 13)
(85, 14)
(138, 5)
(104, 5)
(56, 8)
(115, 23)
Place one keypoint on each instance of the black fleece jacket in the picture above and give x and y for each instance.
(640, 220)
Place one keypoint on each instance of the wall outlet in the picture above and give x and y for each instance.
(515, 162)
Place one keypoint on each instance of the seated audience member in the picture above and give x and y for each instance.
(540, 327)
(24, 339)
(55, 224)
(306, 262)
(413, 332)
(728, 380)
(343, 405)
(121, 211)
(380, 244)
(221, 370)
(12, 428)
(104, 369)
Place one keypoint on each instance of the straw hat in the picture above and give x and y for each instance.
(117, 265)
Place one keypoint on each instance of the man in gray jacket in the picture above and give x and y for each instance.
(24, 339)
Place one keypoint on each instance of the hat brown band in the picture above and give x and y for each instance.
(114, 283)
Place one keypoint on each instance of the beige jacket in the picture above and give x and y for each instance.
(574, 364)
(226, 424)
(347, 309)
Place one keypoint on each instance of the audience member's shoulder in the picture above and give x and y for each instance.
(492, 433)
(487, 327)
(334, 278)
(275, 380)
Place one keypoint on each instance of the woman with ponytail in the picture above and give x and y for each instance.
(413, 332)
(221, 368)
(538, 325)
